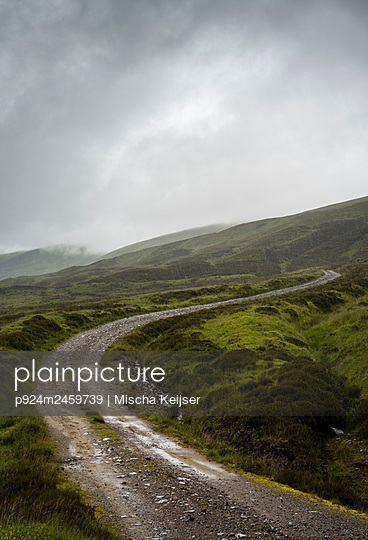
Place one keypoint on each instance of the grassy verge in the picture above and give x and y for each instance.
(290, 451)
(36, 500)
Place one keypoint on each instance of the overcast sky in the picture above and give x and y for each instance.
(121, 120)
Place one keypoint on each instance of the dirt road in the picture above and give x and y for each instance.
(152, 487)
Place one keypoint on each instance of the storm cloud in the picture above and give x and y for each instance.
(122, 120)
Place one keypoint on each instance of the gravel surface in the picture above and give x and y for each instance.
(152, 487)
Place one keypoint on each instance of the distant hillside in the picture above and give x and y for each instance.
(327, 237)
(42, 260)
(166, 239)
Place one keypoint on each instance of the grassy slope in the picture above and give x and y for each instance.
(328, 324)
(331, 235)
(296, 346)
(165, 239)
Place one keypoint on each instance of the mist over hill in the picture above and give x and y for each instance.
(325, 237)
(43, 260)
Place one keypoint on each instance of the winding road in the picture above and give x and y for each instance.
(101, 337)
(152, 487)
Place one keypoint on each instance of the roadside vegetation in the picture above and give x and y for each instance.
(288, 370)
(32, 327)
(36, 501)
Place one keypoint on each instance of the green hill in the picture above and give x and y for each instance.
(165, 239)
(331, 235)
(42, 260)
(326, 237)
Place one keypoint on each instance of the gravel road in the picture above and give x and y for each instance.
(100, 338)
(153, 487)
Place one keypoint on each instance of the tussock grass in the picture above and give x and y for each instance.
(36, 501)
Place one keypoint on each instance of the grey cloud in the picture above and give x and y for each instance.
(123, 119)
